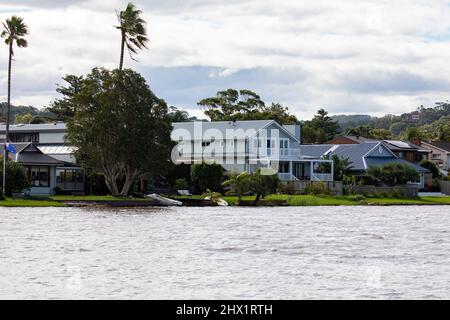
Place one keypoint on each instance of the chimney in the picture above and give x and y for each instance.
(416, 140)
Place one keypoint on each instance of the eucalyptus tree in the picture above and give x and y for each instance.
(133, 31)
(14, 32)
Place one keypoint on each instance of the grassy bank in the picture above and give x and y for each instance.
(324, 200)
(29, 203)
(276, 199)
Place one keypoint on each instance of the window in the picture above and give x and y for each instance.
(401, 155)
(435, 156)
(70, 179)
(206, 143)
(39, 176)
(24, 137)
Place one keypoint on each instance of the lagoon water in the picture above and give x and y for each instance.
(225, 253)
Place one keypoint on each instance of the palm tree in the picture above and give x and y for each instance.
(14, 31)
(239, 184)
(132, 27)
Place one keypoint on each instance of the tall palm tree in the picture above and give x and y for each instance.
(14, 31)
(132, 28)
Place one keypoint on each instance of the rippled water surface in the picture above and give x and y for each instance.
(225, 253)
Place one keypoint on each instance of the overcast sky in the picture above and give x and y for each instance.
(348, 56)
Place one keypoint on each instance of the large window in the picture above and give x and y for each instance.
(70, 179)
(39, 176)
(24, 137)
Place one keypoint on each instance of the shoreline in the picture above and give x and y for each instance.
(270, 201)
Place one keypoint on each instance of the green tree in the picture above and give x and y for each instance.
(309, 134)
(239, 184)
(413, 133)
(64, 108)
(432, 167)
(380, 134)
(25, 118)
(120, 128)
(14, 32)
(16, 178)
(228, 104)
(178, 115)
(393, 173)
(132, 29)
(206, 176)
(263, 185)
(322, 121)
(341, 167)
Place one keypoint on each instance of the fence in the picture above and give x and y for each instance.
(301, 186)
(410, 191)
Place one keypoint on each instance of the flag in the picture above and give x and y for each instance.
(10, 147)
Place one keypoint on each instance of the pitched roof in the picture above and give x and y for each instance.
(355, 153)
(54, 126)
(314, 150)
(31, 155)
(222, 127)
(440, 144)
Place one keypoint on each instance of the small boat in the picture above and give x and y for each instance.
(163, 201)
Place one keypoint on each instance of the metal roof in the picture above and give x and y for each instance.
(42, 127)
(377, 162)
(250, 127)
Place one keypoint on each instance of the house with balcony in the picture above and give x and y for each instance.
(248, 146)
(49, 162)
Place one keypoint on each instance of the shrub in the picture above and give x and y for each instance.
(263, 185)
(394, 173)
(181, 184)
(16, 177)
(315, 188)
(432, 167)
(239, 184)
(206, 176)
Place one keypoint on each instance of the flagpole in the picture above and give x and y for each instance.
(4, 168)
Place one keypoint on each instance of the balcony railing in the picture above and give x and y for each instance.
(275, 152)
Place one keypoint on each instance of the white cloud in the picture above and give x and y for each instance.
(373, 56)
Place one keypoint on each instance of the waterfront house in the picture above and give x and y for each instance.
(409, 151)
(247, 146)
(439, 154)
(48, 161)
(362, 156)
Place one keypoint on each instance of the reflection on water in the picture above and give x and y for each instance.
(225, 253)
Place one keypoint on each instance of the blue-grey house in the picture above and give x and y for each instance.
(362, 156)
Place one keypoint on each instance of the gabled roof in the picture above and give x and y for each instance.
(443, 145)
(223, 126)
(361, 155)
(31, 155)
(356, 153)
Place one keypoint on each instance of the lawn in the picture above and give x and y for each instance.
(326, 200)
(290, 200)
(29, 203)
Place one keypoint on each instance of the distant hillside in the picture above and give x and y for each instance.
(22, 110)
(397, 124)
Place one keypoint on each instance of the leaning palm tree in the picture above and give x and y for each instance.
(14, 31)
(132, 28)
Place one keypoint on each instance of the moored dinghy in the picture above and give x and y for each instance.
(163, 201)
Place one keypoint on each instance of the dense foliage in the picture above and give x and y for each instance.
(16, 177)
(119, 127)
(320, 129)
(234, 104)
(206, 176)
(394, 173)
(427, 123)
